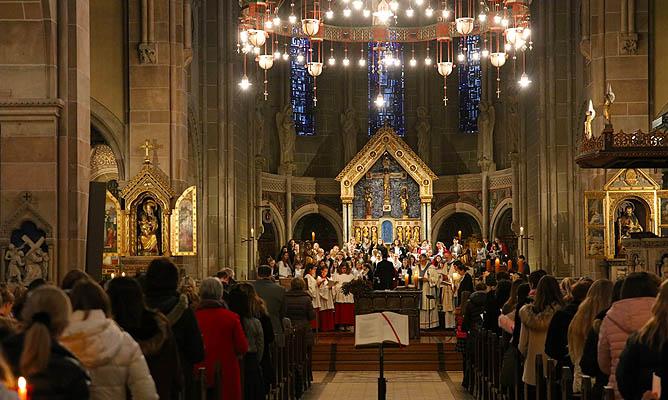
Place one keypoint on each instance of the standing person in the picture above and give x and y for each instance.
(224, 340)
(466, 282)
(37, 354)
(284, 265)
(114, 360)
(326, 312)
(646, 353)
(344, 307)
(428, 278)
(624, 317)
(598, 299)
(384, 276)
(556, 342)
(8, 324)
(151, 331)
(273, 296)
(241, 304)
(161, 281)
(536, 319)
(312, 290)
(300, 311)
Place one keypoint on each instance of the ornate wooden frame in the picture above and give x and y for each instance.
(120, 227)
(190, 193)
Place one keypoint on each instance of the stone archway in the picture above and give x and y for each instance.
(445, 212)
(458, 221)
(326, 212)
(319, 225)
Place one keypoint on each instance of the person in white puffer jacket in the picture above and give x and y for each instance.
(113, 358)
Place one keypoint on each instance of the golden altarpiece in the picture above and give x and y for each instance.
(386, 192)
(630, 213)
(147, 221)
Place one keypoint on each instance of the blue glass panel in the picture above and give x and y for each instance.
(470, 86)
(391, 85)
(301, 89)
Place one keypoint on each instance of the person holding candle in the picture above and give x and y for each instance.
(326, 312)
(36, 353)
(312, 289)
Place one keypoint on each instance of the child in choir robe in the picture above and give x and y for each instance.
(428, 284)
(326, 312)
(312, 285)
(447, 295)
(344, 307)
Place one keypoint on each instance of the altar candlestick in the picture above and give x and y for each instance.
(406, 280)
(488, 265)
(416, 278)
(313, 237)
(22, 385)
(497, 265)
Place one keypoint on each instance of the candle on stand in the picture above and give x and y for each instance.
(313, 236)
(459, 235)
(497, 264)
(406, 279)
(416, 278)
(22, 386)
(488, 265)
(520, 266)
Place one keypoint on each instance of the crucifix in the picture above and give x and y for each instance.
(147, 147)
(386, 175)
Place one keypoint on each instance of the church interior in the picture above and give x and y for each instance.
(505, 136)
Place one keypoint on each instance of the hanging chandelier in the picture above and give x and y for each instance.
(503, 27)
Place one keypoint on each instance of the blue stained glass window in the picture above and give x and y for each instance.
(391, 85)
(470, 86)
(301, 88)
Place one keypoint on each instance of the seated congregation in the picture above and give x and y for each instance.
(155, 336)
(540, 338)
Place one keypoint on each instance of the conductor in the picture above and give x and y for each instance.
(385, 275)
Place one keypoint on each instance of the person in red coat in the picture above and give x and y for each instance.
(224, 340)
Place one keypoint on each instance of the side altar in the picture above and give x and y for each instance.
(386, 192)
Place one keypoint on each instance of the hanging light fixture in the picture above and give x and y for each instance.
(257, 37)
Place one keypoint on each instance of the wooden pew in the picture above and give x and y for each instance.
(552, 383)
(608, 393)
(540, 378)
(586, 387)
(566, 383)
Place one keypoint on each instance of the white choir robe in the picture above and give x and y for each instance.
(325, 295)
(428, 307)
(313, 290)
(339, 297)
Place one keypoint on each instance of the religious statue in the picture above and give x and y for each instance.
(358, 234)
(400, 234)
(14, 256)
(607, 103)
(422, 127)
(386, 179)
(416, 232)
(589, 117)
(259, 125)
(486, 120)
(408, 235)
(374, 234)
(148, 227)
(368, 202)
(349, 129)
(628, 222)
(287, 136)
(36, 263)
(404, 201)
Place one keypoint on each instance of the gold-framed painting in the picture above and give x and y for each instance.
(184, 224)
(663, 208)
(113, 227)
(594, 219)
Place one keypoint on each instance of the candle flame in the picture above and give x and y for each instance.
(22, 383)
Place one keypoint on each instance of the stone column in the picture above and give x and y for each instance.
(514, 165)
(485, 165)
(347, 221)
(288, 206)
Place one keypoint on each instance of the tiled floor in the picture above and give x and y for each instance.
(362, 385)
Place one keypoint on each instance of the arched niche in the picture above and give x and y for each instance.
(326, 212)
(268, 243)
(501, 208)
(444, 212)
(324, 229)
(111, 130)
(456, 222)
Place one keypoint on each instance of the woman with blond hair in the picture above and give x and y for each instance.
(599, 298)
(646, 353)
(36, 353)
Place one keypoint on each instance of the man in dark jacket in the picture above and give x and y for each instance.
(161, 283)
(466, 284)
(384, 275)
(273, 296)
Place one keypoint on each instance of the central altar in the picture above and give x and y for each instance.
(386, 191)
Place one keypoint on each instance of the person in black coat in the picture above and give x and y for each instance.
(556, 342)
(384, 275)
(466, 284)
(493, 303)
(161, 283)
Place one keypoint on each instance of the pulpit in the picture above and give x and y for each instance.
(406, 302)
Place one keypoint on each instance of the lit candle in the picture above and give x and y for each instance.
(497, 264)
(459, 234)
(416, 277)
(313, 236)
(520, 266)
(113, 275)
(521, 231)
(488, 265)
(123, 274)
(406, 280)
(22, 388)
(252, 233)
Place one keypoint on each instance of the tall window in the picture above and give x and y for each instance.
(470, 87)
(391, 81)
(301, 88)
